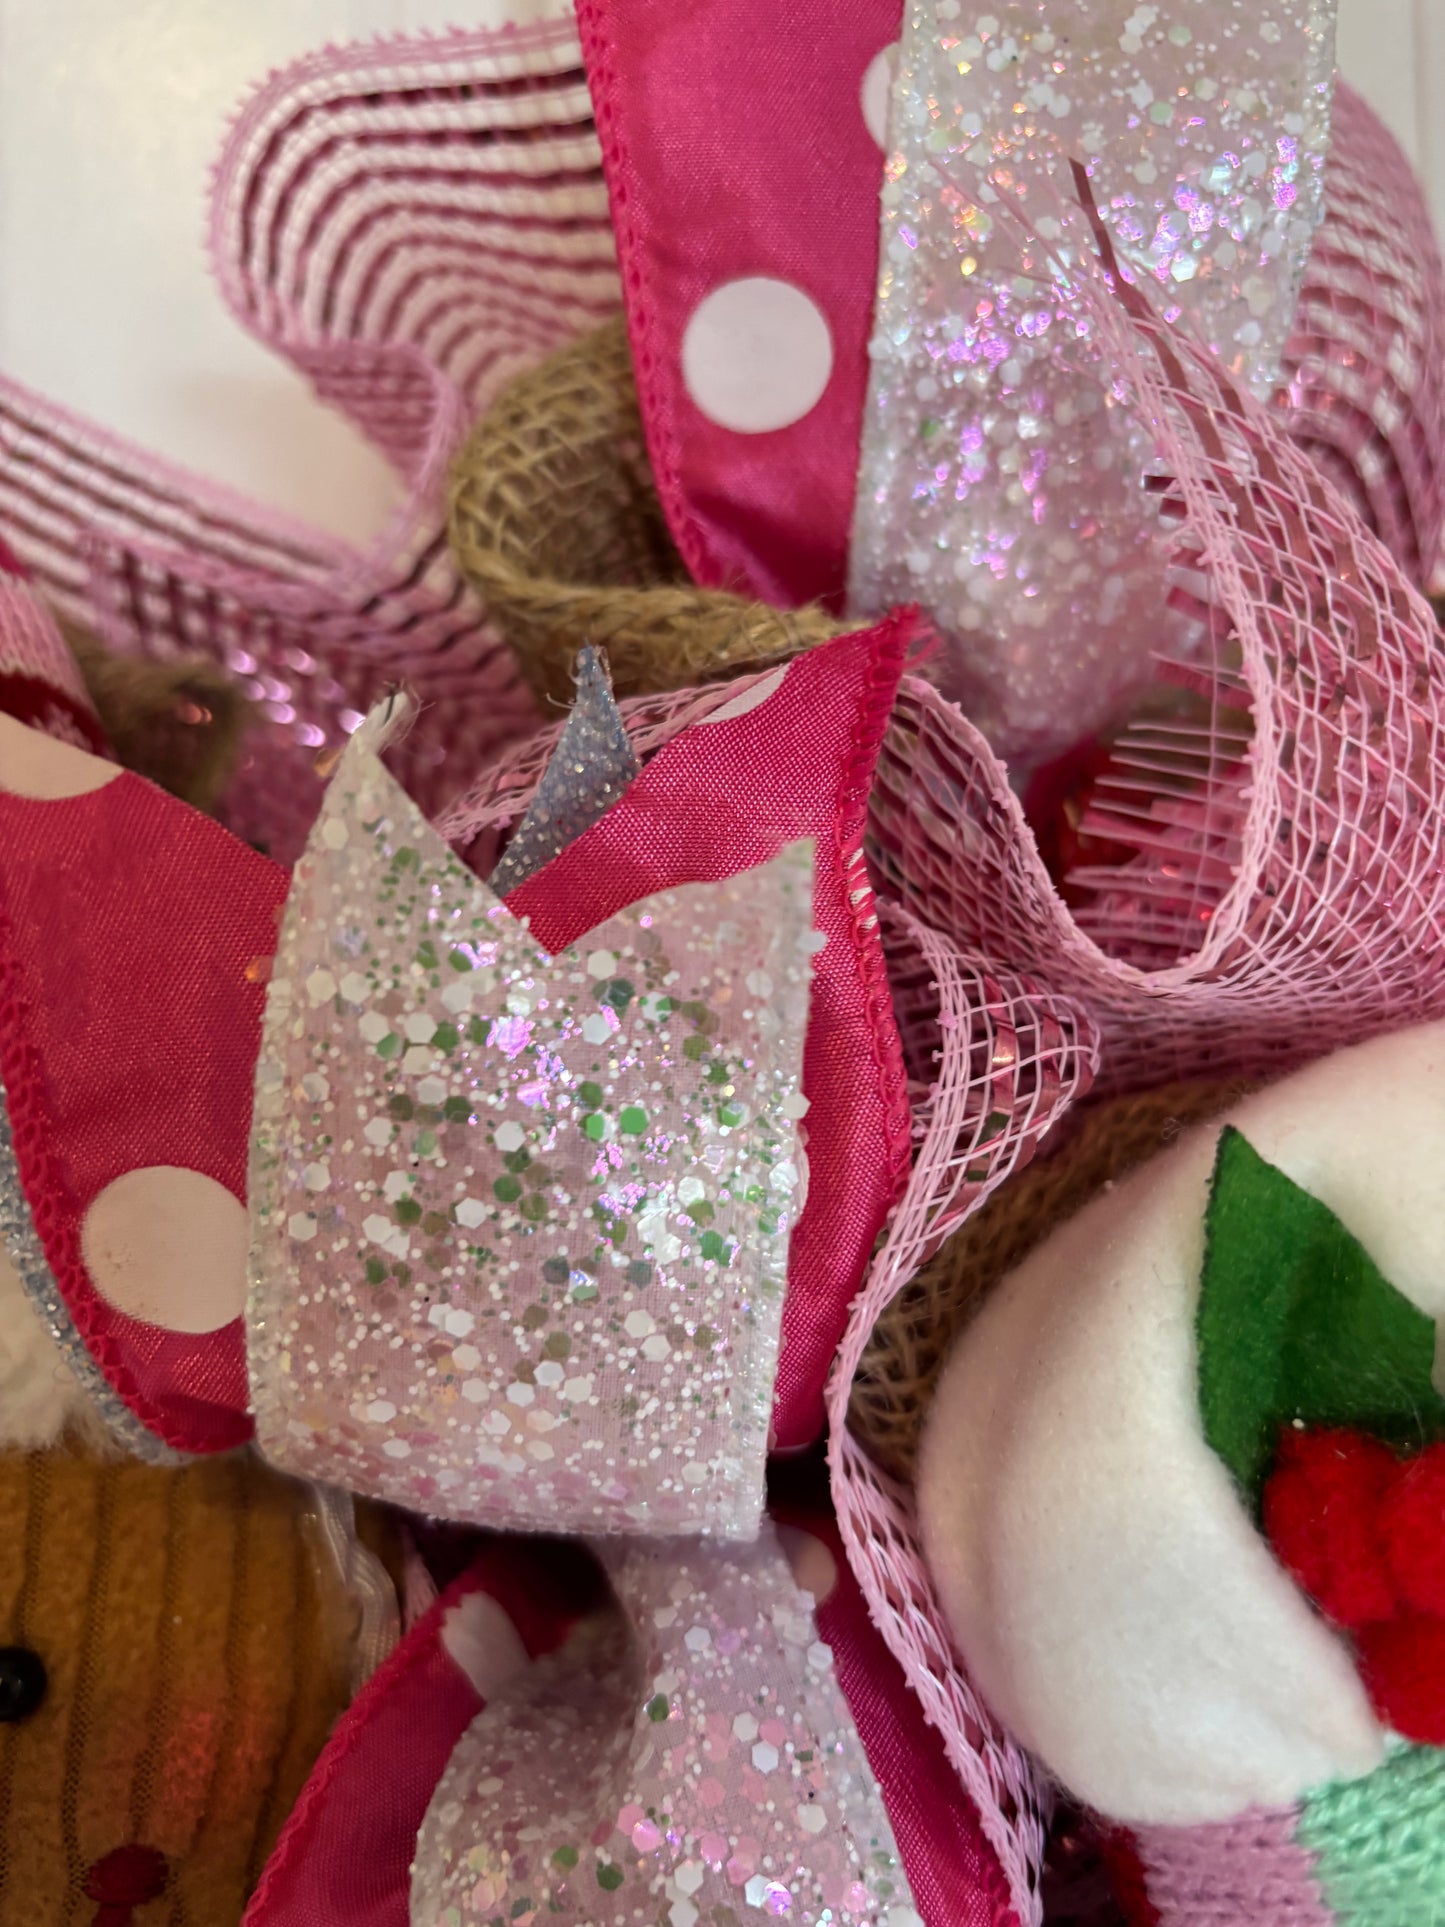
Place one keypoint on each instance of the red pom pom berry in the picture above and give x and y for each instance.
(1402, 1663)
(1321, 1515)
(1412, 1530)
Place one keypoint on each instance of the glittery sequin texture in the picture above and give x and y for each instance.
(589, 769)
(697, 1764)
(520, 1223)
(1001, 480)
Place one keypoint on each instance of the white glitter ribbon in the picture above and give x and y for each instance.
(520, 1223)
(1001, 484)
(690, 1761)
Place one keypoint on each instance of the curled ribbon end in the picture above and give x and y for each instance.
(386, 721)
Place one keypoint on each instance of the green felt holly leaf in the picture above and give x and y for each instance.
(1297, 1322)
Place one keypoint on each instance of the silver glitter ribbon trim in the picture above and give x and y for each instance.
(591, 766)
(1001, 481)
(27, 1255)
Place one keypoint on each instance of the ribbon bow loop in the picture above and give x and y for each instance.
(520, 1222)
(693, 1762)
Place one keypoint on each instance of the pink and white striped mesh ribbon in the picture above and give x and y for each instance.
(409, 222)
(1364, 367)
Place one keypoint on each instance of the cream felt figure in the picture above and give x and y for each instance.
(1174, 1483)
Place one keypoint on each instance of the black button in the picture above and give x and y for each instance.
(23, 1680)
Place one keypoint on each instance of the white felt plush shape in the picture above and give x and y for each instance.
(1111, 1595)
(40, 1397)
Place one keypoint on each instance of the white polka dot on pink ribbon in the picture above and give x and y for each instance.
(757, 354)
(168, 1245)
(46, 770)
(873, 94)
(480, 1637)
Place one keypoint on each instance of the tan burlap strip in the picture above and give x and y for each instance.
(555, 521)
(912, 1340)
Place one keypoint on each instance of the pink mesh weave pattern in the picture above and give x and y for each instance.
(1008, 1058)
(1288, 894)
(1365, 365)
(1288, 888)
(408, 222)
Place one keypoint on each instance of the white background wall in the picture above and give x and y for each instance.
(110, 115)
(1394, 52)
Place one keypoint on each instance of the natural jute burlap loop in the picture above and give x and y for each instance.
(911, 1342)
(179, 724)
(554, 519)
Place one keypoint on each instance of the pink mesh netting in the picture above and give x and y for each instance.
(1365, 365)
(953, 1877)
(1288, 886)
(409, 222)
(1008, 1059)
(1287, 891)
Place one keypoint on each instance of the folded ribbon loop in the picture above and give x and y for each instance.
(519, 1222)
(1000, 481)
(692, 1762)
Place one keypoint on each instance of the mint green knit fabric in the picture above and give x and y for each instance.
(1380, 1842)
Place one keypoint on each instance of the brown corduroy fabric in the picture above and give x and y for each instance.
(556, 523)
(179, 724)
(911, 1343)
(197, 1647)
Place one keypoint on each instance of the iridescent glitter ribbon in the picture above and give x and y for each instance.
(1000, 483)
(520, 1223)
(693, 1761)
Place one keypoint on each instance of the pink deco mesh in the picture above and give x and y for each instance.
(408, 222)
(1287, 890)
(1365, 365)
(995, 1060)
(1285, 896)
